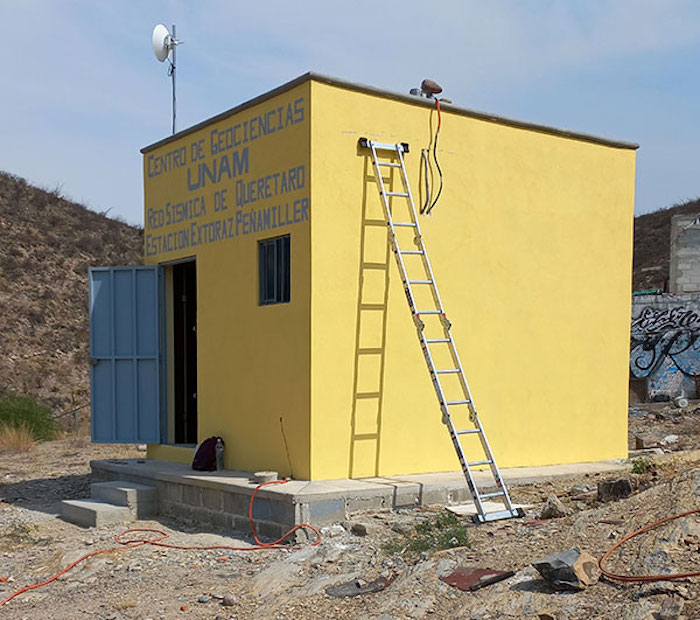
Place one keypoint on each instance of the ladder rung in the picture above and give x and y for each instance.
(372, 307)
(389, 164)
(487, 495)
(477, 463)
(411, 252)
(361, 436)
(364, 395)
(404, 224)
(370, 351)
(457, 402)
(381, 266)
(448, 371)
(420, 281)
(402, 194)
(429, 312)
(434, 340)
(374, 222)
(468, 431)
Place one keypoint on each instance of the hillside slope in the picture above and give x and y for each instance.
(652, 241)
(48, 243)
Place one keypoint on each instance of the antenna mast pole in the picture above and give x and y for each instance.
(172, 74)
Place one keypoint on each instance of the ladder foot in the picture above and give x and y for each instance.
(516, 513)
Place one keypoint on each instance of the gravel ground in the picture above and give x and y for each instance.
(152, 582)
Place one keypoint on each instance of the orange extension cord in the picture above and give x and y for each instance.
(645, 578)
(157, 541)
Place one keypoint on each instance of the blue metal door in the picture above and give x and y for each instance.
(125, 354)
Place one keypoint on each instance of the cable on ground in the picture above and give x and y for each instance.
(160, 536)
(645, 578)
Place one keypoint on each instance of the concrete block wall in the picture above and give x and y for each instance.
(217, 504)
(684, 266)
(665, 343)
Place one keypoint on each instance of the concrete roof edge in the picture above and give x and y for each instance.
(372, 90)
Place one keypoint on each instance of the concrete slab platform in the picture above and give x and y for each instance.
(93, 513)
(220, 499)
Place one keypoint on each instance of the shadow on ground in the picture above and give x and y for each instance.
(43, 494)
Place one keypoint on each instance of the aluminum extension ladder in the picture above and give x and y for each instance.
(392, 156)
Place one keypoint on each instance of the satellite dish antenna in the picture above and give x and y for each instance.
(163, 43)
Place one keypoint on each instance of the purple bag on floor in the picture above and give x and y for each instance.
(205, 456)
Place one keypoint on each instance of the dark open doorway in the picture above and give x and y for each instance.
(185, 352)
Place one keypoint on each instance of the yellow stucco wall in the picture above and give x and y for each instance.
(531, 244)
(253, 361)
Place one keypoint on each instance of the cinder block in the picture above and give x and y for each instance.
(269, 510)
(213, 500)
(327, 511)
(372, 502)
(236, 503)
(192, 495)
(93, 513)
(271, 530)
(241, 524)
(432, 496)
(170, 491)
(406, 496)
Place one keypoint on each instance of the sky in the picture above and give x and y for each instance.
(82, 91)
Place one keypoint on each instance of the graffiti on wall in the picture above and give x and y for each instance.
(665, 345)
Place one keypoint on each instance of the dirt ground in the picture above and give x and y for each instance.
(152, 582)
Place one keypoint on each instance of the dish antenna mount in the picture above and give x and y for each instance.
(164, 45)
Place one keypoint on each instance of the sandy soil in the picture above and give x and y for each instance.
(151, 582)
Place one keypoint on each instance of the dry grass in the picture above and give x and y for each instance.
(16, 438)
(126, 603)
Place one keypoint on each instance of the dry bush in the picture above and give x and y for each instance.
(16, 438)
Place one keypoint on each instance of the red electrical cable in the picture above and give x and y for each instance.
(645, 578)
(157, 541)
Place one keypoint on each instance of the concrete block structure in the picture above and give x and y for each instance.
(270, 311)
(665, 350)
(684, 265)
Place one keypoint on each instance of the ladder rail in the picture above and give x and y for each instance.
(397, 150)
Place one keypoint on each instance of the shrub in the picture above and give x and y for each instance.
(16, 438)
(25, 412)
(641, 465)
(445, 531)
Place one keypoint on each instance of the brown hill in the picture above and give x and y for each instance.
(48, 243)
(652, 240)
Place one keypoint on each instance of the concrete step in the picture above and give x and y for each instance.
(141, 499)
(93, 513)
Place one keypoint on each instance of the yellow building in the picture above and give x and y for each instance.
(282, 324)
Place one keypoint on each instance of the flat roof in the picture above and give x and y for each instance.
(421, 101)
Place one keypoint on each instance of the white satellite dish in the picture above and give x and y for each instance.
(162, 42)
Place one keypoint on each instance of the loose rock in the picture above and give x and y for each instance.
(569, 570)
(612, 490)
(671, 608)
(229, 600)
(553, 509)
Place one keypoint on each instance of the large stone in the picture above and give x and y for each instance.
(671, 608)
(644, 441)
(553, 509)
(611, 490)
(569, 570)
